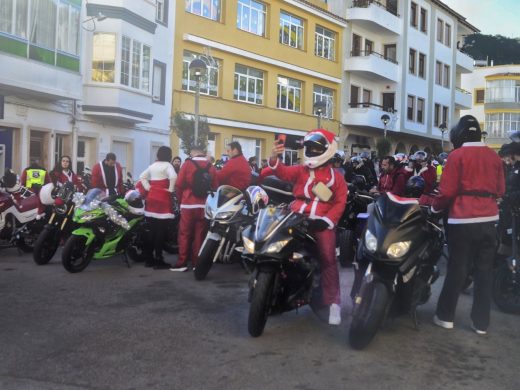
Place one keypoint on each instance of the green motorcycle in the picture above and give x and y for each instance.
(106, 227)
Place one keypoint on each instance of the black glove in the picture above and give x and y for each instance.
(318, 225)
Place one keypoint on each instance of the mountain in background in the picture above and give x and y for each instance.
(497, 48)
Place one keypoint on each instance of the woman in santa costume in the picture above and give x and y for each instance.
(62, 173)
(158, 182)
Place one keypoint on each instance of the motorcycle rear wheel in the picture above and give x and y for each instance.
(75, 256)
(368, 314)
(506, 291)
(260, 303)
(205, 259)
(46, 246)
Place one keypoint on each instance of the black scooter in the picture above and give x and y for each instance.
(396, 265)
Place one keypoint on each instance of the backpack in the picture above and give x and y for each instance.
(201, 181)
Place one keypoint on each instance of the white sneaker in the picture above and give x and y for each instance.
(335, 314)
(443, 324)
(478, 331)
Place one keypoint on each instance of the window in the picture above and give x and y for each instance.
(391, 53)
(206, 8)
(479, 95)
(208, 83)
(125, 60)
(291, 30)
(289, 94)
(413, 15)
(447, 35)
(159, 82)
(68, 28)
(503, 91)
(422, 65)
(411, 108)
(290, 157)
(438, 73)
(446, 78)
(323, 94)
(424, 20)
(354, 96)
(161, 11)
(440, 30)
(103, 57)
(444, 114)
(369, 47)
(367, 97)
(251, 16)
(437, 115)
(412, 61)
(325, 43)
(420, 110)
(356, 45)
(135, 64)
(43, 23)
(249, 85)
(500, 124)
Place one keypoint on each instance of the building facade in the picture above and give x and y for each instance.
(496, 101)
(85, 79)
(402, 60)
(268, 63)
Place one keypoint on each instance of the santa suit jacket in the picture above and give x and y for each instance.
(158, 180)
(236, 173)
(98, 177)
(184, 183)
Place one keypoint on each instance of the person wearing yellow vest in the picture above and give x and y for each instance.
(34, 176)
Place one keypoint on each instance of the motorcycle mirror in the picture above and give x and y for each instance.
(129, 175)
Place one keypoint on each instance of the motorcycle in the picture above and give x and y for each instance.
(227, 211)
(107, 227)
(399, 251)
(286, 273)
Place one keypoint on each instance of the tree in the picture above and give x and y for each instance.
(383, 146)
(500, 49)
(185, 130)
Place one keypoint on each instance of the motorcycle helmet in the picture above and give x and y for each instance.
(135, 202)
(256, 198)
(9, 180)
(401, 158)
(414, 187)
(336, 159)
(506, 150)
(466, 130)
(419, 156)
(365, 155)
(319, 146)
(356, 161)
(514, 136)
(360, 182)
(442, 157)
(47, 194)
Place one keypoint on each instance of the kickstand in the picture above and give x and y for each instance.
(125, 259)
(413, 315)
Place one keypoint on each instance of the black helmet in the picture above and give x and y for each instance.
(515, 136)
(442, 157)
(506, 150)
(359, 181)
(419, 156)
(414, 187)
(466, 130)
(10, 179)
(336, 158)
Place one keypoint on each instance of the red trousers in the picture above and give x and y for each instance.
(193, 228)
(326, 240)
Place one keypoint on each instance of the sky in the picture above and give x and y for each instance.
(490, 16)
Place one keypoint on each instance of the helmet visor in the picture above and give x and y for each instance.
(315, 145)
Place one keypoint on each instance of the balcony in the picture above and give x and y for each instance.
(117, 103)
(463, 99)
(375, 16)
(372, 65)
(464, 63)
(369, 115)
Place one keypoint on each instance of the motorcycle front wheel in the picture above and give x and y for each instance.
(75, 256)
(369, 311)
(506, 290)
(46, 246)
(346, 246)
(260, 303)
(205, 259)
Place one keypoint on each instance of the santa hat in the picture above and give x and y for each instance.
(327, 134)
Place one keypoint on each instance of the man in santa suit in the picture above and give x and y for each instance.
(321, 194)
(107, 175)
(420, 166)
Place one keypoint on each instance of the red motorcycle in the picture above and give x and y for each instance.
(22, 217)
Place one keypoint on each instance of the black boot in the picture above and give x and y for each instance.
(160, 263)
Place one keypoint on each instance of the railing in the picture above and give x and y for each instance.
(462, 91)
(372, 105)
(366, 53)
(367, 3)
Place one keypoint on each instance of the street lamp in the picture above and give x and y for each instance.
(385, 118)
(319, 108)
(443, 129)
(197, 68)
(484, 136)
(99, 17)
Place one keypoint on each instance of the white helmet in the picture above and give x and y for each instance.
(319, 146)
(135, 202)
(256, 198)
(46, 197)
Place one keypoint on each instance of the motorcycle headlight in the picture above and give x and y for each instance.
(78, 198)
(370, 241)
(277, 246)
(249, 245)
(225, 215)
(87, 217)
(398, 249)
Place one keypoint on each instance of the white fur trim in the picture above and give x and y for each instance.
(199, 159)
(159, 215)
(423, 169)
(305, 187)
(302, 208)
(407, 168)
(398, 199)
(275, 165)
(473, 144)
(457, 221)
(192, 206)
(331, 225)
(314, 207)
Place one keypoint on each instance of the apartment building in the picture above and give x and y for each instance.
(496, 101)
(84, 79)
(403, 63)
(268, 63)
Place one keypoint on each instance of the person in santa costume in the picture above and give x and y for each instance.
(471, 183)
(158, 180)
(62, 173)
(321, 194)
(420, 166)
(107, 175)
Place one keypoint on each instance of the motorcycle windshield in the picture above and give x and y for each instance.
(226, 193)
(93, 199)
(395, 210)
(268, 220)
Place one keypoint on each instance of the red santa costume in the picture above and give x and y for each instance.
(158, 180)
(63, 177)
(99, 179)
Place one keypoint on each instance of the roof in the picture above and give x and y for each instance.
(503, 75)
(459, 17)
(323, 10)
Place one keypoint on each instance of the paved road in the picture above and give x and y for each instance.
(111, 327)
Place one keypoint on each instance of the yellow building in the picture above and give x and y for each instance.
(268, 63)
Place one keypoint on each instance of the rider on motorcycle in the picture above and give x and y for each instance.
(321, 193)
(422, 167)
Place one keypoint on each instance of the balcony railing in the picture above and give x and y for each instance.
(366, 53)
(463, 91)
(367, 3)
(372, 105)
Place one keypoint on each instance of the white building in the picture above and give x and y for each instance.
(496, 100)
(402, 60)
(85, 79)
